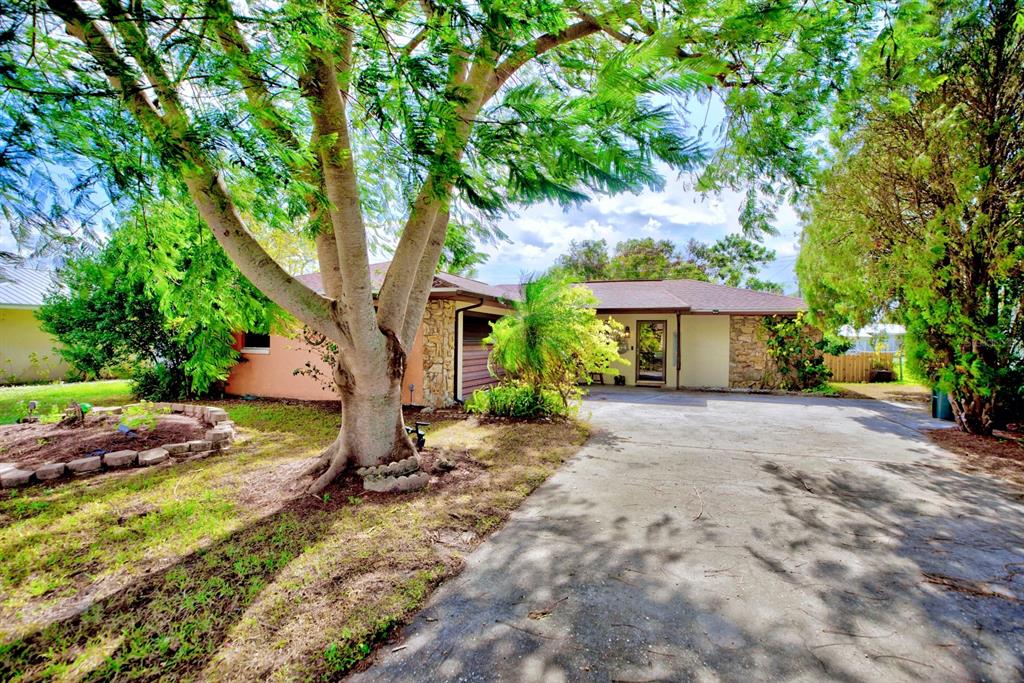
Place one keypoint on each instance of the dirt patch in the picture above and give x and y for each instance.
(1003, 457)
(911, 394)
(31, 445)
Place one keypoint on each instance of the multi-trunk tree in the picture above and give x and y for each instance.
(353, 120)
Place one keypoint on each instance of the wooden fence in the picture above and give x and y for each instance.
(856, 367)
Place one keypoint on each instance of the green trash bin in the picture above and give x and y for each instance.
(941, 407)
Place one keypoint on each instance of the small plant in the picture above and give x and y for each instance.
(53, 415)
(519, 401)
(354, 500)
(141, 415)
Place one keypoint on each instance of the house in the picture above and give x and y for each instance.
(677, 334)
(26, 352)
(447, 360)
(878, 337)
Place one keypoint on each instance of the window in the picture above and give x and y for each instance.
(256, 343)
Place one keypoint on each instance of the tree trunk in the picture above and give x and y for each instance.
(372, 425)
(973, 411)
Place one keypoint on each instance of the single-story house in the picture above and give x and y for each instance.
(884, 337)
(26, 352)
(678, 334)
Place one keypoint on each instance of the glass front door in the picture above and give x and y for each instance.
(650, 351)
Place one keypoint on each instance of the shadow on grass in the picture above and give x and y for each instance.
(170, 623)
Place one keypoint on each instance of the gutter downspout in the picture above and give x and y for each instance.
(458, 347)
(679, 342)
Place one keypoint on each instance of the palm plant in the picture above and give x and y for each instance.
(553, 339)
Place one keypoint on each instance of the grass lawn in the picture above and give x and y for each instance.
(105, 393)
(221, 569)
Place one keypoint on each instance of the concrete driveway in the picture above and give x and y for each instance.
(743, 538)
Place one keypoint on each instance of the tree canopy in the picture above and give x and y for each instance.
(733, 260)
(921, 216)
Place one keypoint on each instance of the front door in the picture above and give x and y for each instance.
(650, 351)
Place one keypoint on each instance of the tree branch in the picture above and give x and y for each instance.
(205, 185)
(330, 123)
(237, 50)
(545, 43)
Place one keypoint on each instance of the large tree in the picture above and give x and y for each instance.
(921, 217)
(348, 120)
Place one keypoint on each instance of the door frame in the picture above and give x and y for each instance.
(664, 355)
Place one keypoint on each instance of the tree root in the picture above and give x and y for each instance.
(338, 461)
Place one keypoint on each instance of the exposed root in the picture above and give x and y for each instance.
(336, 467)
(323, 460)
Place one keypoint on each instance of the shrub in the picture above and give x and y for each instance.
(798, 352)
(553, 341)
(517, 400)
(160, 382)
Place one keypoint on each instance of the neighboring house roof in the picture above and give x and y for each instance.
(692, 296)
(25, 287)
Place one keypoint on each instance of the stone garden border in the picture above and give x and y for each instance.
(219, 436)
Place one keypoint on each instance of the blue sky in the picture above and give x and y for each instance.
(540, 234)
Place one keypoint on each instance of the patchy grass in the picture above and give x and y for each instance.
(102, 393)
(826, 389)
(216, 569)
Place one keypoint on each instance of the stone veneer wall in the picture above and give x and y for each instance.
(749, 365)
(439, 353)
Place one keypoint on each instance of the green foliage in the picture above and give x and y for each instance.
(797, 352)
(519, 401)
(775, 67)
(919, 218)
(141, 415)
(733, 260)
(163, 302)
(553, 339)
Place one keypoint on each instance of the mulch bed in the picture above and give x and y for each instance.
(1002, 457)
(31, 445)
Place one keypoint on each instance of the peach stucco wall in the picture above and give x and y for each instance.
(272, 374)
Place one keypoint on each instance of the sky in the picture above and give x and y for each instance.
(540, 234)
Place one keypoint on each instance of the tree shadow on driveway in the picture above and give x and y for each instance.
(782, 539)
(919, 547)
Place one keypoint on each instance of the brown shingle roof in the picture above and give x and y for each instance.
(692, 296)
(441, 281)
